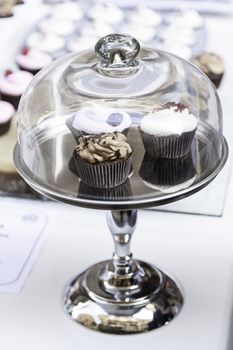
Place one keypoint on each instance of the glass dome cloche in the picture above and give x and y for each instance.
(120, 128)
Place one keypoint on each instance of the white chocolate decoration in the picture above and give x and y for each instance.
(14, 83)
(95, 119)
(168, 121)
(6, 111)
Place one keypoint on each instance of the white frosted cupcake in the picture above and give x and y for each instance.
(188, 18)
(142, 33)
(32, 60)
(174, 34)
(168, 132)
(95, 30)
(50, 43)
(81, 43)
(176, 48)
(143, 15)
(57, 27)
(68, 10)
(13, 84)
(106, 12)
(96, 119)
(7, 112)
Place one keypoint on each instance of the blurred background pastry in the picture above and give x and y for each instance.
(32, 60)
(212, 65)
(13, 84)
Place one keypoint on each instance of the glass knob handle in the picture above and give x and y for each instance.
(117, 50)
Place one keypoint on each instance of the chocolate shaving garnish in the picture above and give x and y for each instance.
(179, 107)
(104, 147)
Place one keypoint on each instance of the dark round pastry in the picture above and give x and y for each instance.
(103, 161)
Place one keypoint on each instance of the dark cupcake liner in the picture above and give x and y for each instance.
(104, 175)
(167, 172)
(72, 164)
(32, 71)
(216, 79)
(14, 100)
(173, 146)
(4, 127)
(119, 193)
(7, 16)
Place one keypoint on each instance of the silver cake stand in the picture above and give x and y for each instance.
(122, 295)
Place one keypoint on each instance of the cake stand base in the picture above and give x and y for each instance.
(138, 307)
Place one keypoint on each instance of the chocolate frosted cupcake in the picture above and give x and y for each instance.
(103, 161)
(168, 175)
(212, 65)
(168, 131)
(13, 84)
(95, 119)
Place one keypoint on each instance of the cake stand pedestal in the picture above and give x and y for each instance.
(122, 295)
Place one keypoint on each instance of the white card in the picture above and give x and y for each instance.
(22, 233)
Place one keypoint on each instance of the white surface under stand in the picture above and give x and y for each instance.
(197, 250)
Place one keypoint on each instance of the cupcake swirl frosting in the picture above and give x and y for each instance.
(102, 148)
(169, 119)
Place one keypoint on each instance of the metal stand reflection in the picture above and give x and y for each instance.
(123, 295)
